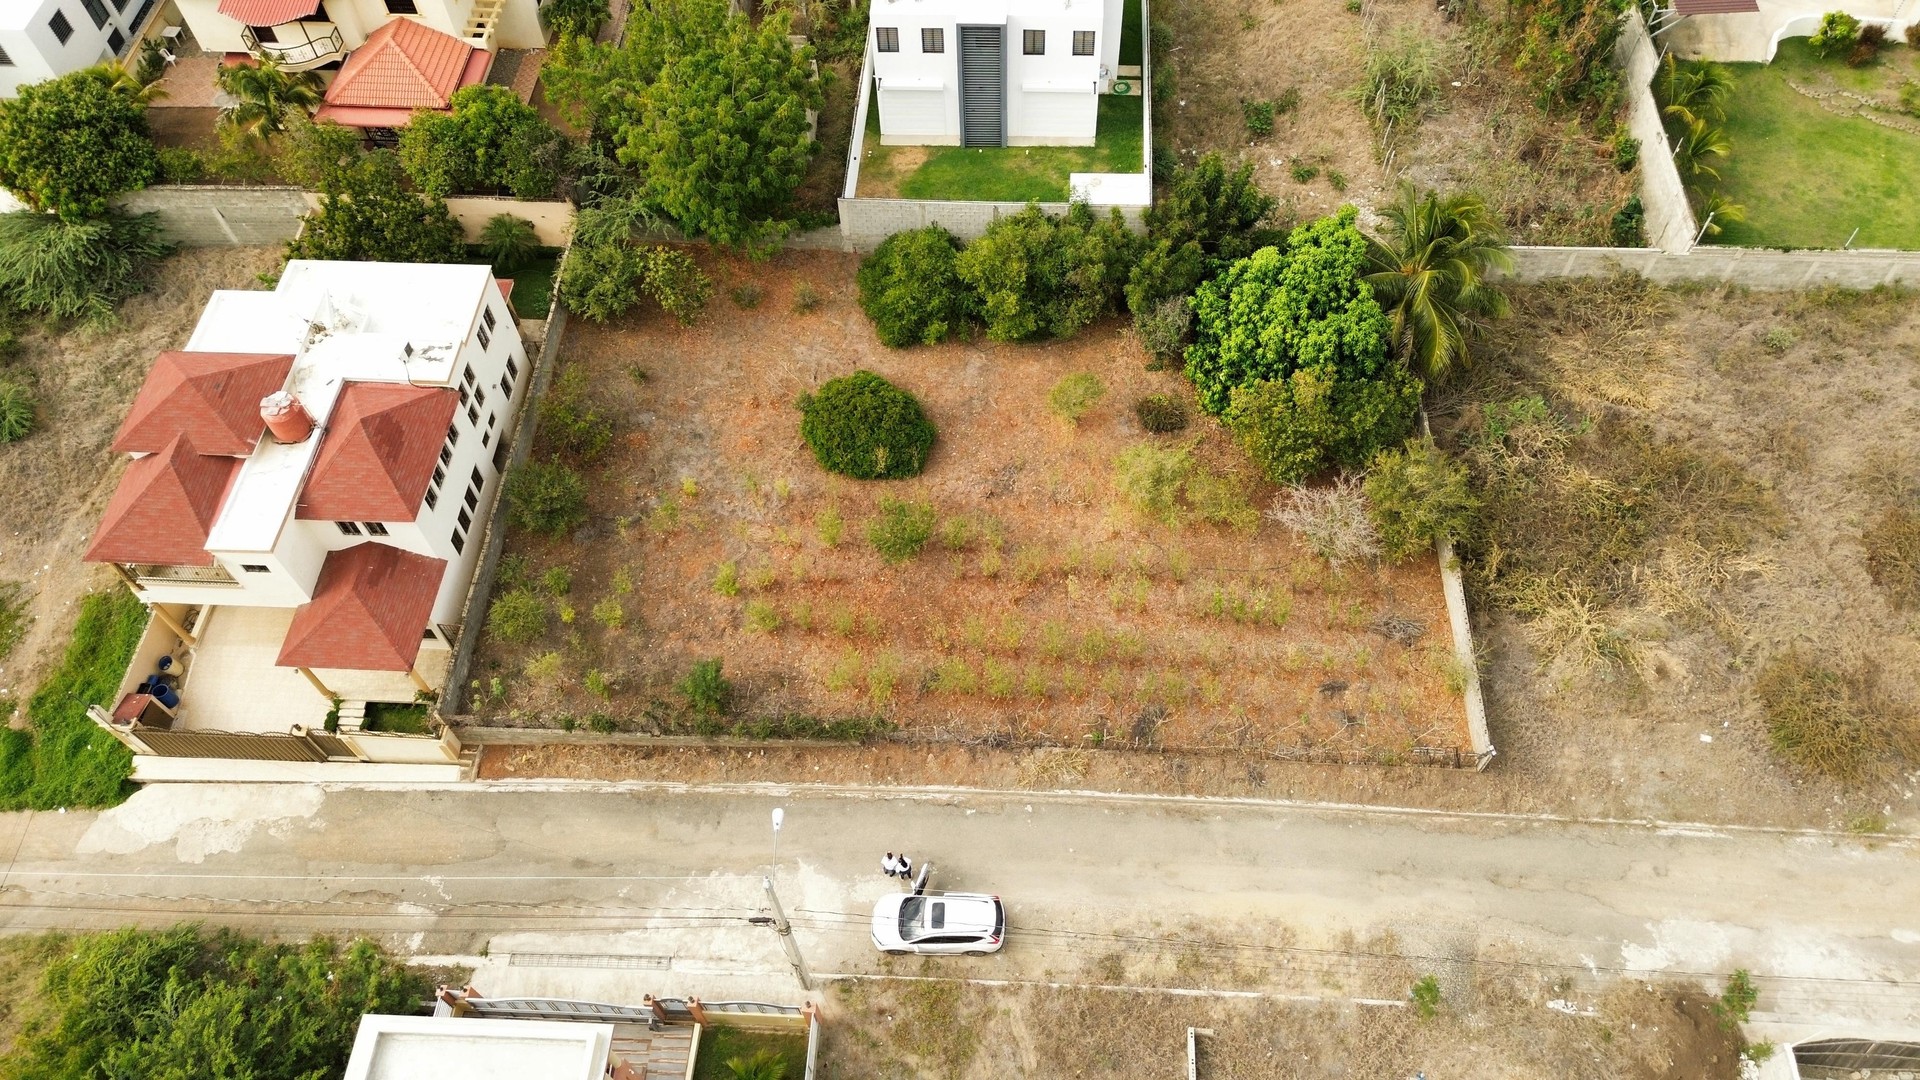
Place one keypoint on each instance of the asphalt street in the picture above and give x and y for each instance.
(667, 879)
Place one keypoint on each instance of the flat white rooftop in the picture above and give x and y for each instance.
(440, 1047)
(341, 321)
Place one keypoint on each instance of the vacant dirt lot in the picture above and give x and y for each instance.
(1686, 486)
(1479, 131)
(58, 479)
(1043, 610)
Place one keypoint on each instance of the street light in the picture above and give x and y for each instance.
(779, 919)
(779, 818)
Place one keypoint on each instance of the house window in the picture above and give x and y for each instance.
(486, 439)
(473, 415)
(265, 35)
(479, 481)
(492, 418)
(466, 520)
(5, 60)
(1034, 42)
(347, 528)
(500, 456)
(506, 386)
(374, 528)
(513, 370)
(115, 41)
(473, 499)
(439, 476)
(887, 38)
(463, 395)
(255, 568)
(433, 498)
(466, 375)
(446, 455)
(479, 396)
(485, 341)
(1083, 43)
(933, 39)
(61, 28)
(428, 635)
(97, 11)
(459, 542)
(402, 7)
(453, 436)
(486, 316)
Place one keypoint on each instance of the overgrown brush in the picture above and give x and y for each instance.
(1818, 718)
(1893, 554)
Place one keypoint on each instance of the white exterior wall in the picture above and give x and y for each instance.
(37, 54)
(1051, 99)
(519, 23)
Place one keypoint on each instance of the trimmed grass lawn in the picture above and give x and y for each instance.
(719, 1043)
(1002, 174)
(398, 719)
(532, 283)
(1808, 177)
(62, 758)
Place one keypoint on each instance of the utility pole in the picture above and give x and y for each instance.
(785, 930)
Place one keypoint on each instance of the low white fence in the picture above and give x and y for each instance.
(1759, 268)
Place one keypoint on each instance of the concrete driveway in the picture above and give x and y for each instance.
(608, 893)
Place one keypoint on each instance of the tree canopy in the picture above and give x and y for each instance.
(181, 1004)
(70, 144)
(489, 140)
(366, 215)
(1035, 275)
(708, 109)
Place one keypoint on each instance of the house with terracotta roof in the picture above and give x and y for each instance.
(305, 34)
(403, 66)
(302, 510)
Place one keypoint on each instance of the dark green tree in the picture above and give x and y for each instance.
(863, 426)
(367, 215)
(489, 140)
(911, 289)
(1208, 217)
(575, 18)
(1034, 275)
(70, 144)
(315, 155)
(76, 269)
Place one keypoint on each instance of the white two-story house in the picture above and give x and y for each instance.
(310, 475)
(44, 39)
(305, 34)
(992, 72)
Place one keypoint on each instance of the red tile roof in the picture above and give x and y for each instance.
(268, 12)
(368, 611)
(163, 508)
(212, 397)
(403, 65)
(378, 453)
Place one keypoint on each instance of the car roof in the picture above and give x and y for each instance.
(959, 913)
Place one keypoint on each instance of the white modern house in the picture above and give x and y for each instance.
(993, 72)
(310, 475)
(44, 39)
(304, 34)
(1751, 30)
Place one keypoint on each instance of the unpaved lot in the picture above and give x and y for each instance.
(1044, 610)
(58, 479)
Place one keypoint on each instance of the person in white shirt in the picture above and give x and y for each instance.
(890, 866)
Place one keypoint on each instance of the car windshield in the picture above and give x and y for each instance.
(919, 915)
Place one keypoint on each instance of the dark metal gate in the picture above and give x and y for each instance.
(983, 86)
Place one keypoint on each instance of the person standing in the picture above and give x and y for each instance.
(906, 867)
(890, 865)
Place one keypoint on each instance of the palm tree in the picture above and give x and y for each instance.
(1717, 210)
(1429, 268)
(1693, 92)
(264, 92)
(1698, 143)
(761, 1065)
(122, 81)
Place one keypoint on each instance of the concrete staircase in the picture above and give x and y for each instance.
(483, 22)
(353, 715)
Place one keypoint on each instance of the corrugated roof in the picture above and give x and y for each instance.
(163, 508)
(1714, 7)
(403, 65)
(212, 397)
(378, 453)
(268, 12)
(368, 611)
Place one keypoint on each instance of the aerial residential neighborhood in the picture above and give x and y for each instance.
(948, 540)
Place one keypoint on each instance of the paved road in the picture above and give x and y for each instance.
(1831, 923)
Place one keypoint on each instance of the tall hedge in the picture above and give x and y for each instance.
(863, 426)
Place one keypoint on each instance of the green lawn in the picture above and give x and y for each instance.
(532, 283)
(410, 719)
(1002, 174)
(719, 1043)
(1809, 177)
(1130, 33)
(62, 758)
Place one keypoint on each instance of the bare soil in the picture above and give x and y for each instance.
(1550, 183)
(59, 479)
(1055, 616)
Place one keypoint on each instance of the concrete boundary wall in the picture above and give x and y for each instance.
(1758, 268)
(866, 222)
(1670, 223)
(219, 215)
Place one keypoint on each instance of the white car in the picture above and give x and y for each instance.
(943, 923)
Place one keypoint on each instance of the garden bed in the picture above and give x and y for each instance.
(721, 1043)
(1808, 163)
(1002, 174)
(1042, 611)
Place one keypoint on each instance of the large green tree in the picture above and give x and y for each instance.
(1429, 267)
(367, 215)
(1207, 218)
(709, 109)
(70, 144)
(489, 140)
(182, 1004)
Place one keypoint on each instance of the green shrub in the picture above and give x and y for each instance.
(861, 425)
(76, 269)
(1309, 422)
(16, 617)
(910, 287)
(1626, 151)
(557, 581)
(1034, 275)
(726, 578)
(1836, 36)
(1629, 227)
(575, 18)
(316, 156)
(707, 692)
(1415, 496)
(16, 412)
(181, 165)
(1259, 118)
(1735, 1006)
(901, 530)
(1426, 997)
(517, 616)
(1816, 718)
(1208, 214)
(1402, 74)
(508, 242)
(600, 281)
(546, 497)
(762, 617)
(1150, 478)
(675, 282)
(1910, 90)
(1303, 171)
(746, 297)
(568, 423)
(1161, 414)
(610, 613)
(600, 723)
(1075, 395)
